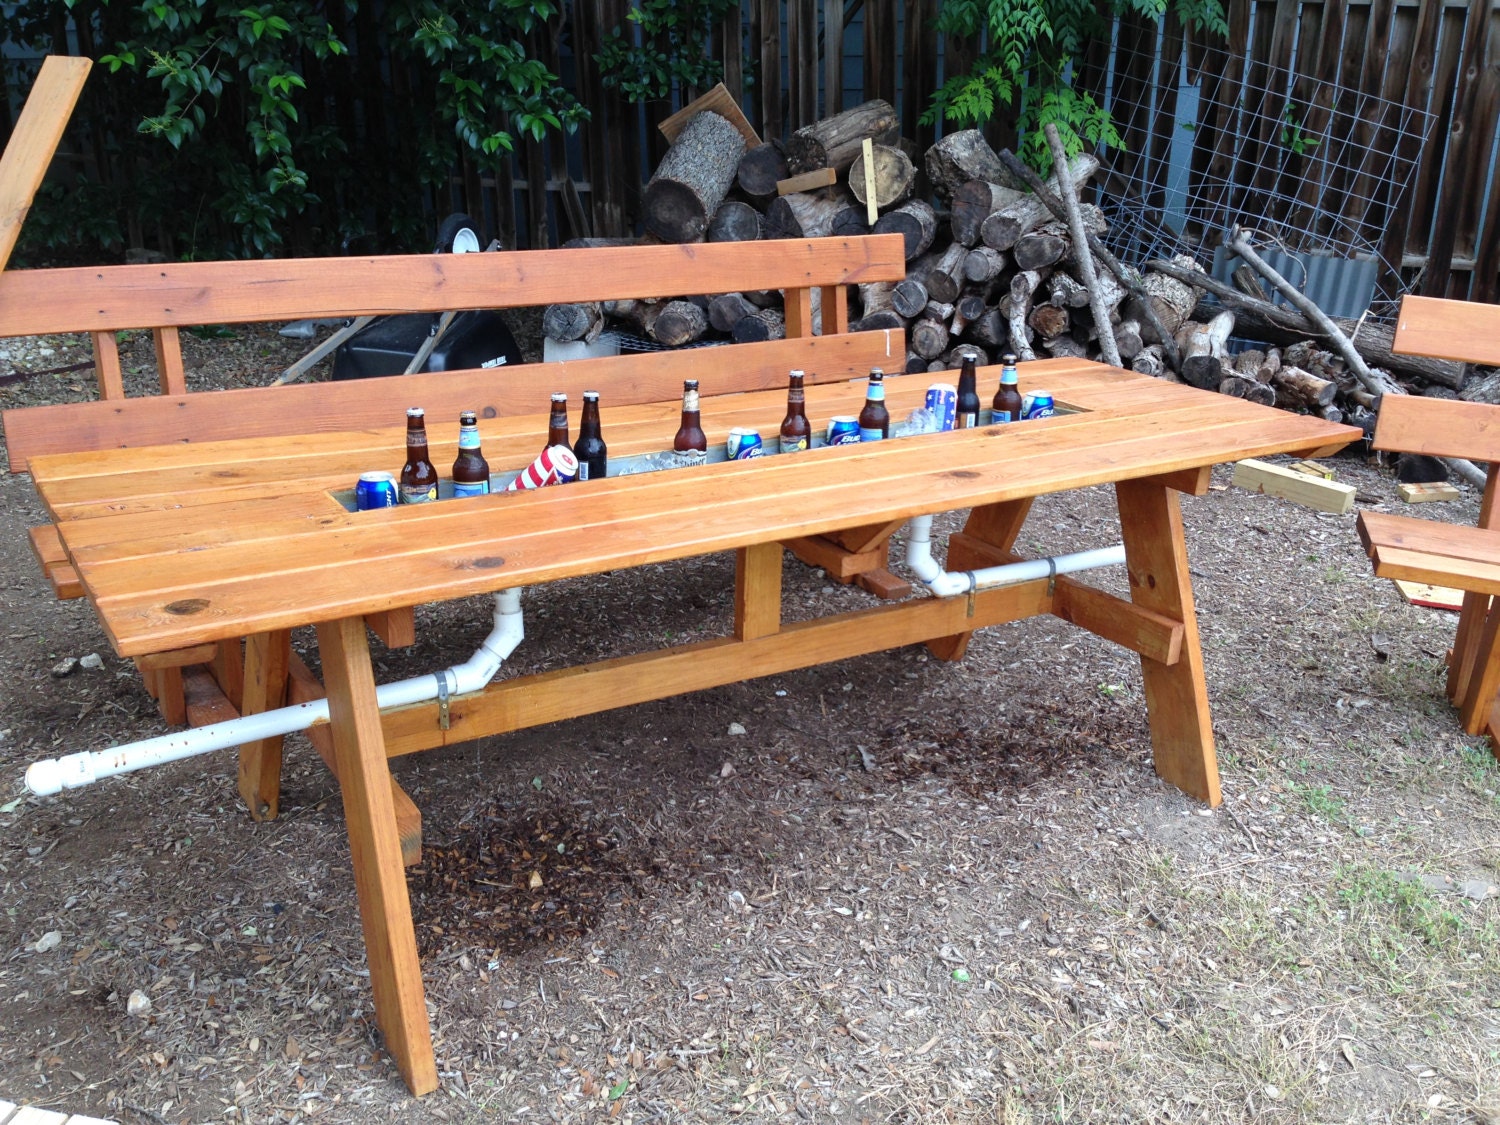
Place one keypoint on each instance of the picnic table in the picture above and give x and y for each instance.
(188, 544)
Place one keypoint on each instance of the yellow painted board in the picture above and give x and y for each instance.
(1438, 597)
(1273, 480)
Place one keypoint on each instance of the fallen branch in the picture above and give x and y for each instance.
(1081, 253)
(1128, 278)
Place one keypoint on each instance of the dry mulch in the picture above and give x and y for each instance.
(908, 891)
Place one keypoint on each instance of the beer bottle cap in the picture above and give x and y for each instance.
(468, 418)
(591, 396)
(559, 396)
(415, 412)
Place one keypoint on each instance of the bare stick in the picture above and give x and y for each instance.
(1081, 246)
(1128, 277)
(1239, 243)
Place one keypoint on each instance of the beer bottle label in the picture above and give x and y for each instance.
(583, 470)
(967, 421)
(870, 435)
(470, 488)
(415, 437)
(1001, 416)
(418, 495)
(793, 444)
(468, 439)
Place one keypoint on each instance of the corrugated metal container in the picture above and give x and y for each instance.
(1338, 286)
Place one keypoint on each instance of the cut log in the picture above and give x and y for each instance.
(638, 315)
(1202, 349)
(835, 141)
(800, 216)
(874, 296)
(960, 157)
(990, 330)
(895, 176)
(727, 309)
(1001, 228)
(850, 222)
(1303, 388)
(1022, 286)
(914, 221)
(1172, 300)
(928, 337)
(1049, 321)
(915, 364)
(1067, 291)
(880, 318)
(956, 355)
(692, 179)
(1248, 362)
(1039, 249)
(1237, 386)
(760, 169)
(945, 276)
(1150, 361)
(909, 297)
(1064, 347)
(678, 323)
(970, 307)
(938, 310)
(566, 323)
(1128, 340)
(765, 324)
(734, 221)
(973, 202)
(983, 263)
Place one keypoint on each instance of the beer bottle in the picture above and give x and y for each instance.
(590, 449)
(471, 472)
(968, 396)
(1007, 404)
(796, 430)
(557, 426)
(875, 419)
(419, 479)
(690, 436)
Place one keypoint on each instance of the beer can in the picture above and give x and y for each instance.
(551, 463)
(843, 429)
(376, 489)
(942, 401)
(1038, 404)
(744, 443)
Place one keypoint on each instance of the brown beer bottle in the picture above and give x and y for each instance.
(690, 436)
(875, 419)
(419, 478)
(796, 430)
(557, 427)
(591, 451)
(471, 472)
(1007, 403)
(967, 415)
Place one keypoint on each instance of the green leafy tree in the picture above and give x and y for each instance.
(671, 49)
(1032, 45)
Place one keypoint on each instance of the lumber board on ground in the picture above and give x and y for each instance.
(1285, 484)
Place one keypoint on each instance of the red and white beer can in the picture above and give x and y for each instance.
(550, 463)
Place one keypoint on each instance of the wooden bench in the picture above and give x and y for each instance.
(204, 683)
(1442, 554)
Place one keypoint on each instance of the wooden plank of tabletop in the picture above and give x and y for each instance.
(498, 542)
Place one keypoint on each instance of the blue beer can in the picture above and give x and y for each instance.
(942, 401)
(843, 429)
(1037, 405)
(744, 443)
(375, 489)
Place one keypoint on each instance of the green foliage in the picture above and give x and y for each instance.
(671, 48)
(1031, 48)
(232, 122)
(1292, 135)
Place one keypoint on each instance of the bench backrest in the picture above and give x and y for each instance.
(165, 298)
(1439, 427)
(1443, 329)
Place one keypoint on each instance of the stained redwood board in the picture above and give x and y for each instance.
(197, 574)
(1444, 329)
(338, 407)
(188, 293)
(33, 141)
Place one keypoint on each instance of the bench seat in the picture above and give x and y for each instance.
(1441, 554)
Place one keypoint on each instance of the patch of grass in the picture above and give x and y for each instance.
(1320, 801)
(1406, 905)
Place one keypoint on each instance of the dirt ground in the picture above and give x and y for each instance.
(887, 890)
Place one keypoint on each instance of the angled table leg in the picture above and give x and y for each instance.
(384, 907)
(1182, 740)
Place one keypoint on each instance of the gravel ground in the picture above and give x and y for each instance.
(884, 890)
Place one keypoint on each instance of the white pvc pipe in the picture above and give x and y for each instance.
(72, 771)
(948, 584)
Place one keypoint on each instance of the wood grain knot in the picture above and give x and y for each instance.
(485, 562)
(962, 474)
(187, 606)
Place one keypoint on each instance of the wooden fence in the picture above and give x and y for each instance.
(1370, 125)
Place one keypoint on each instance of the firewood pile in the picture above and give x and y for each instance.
(1003, 263)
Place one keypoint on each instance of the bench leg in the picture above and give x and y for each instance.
(995, 526)
(1484, 677)
(265, 680)
(1182, 740)
(1466, 642)
(375, 848)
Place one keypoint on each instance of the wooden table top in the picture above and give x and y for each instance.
(181, 544)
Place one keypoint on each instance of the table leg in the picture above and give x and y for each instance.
(995, 525)
(757, 591)
(267, 656)
(1182, 740)
(1466, 646)
(375, 847)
